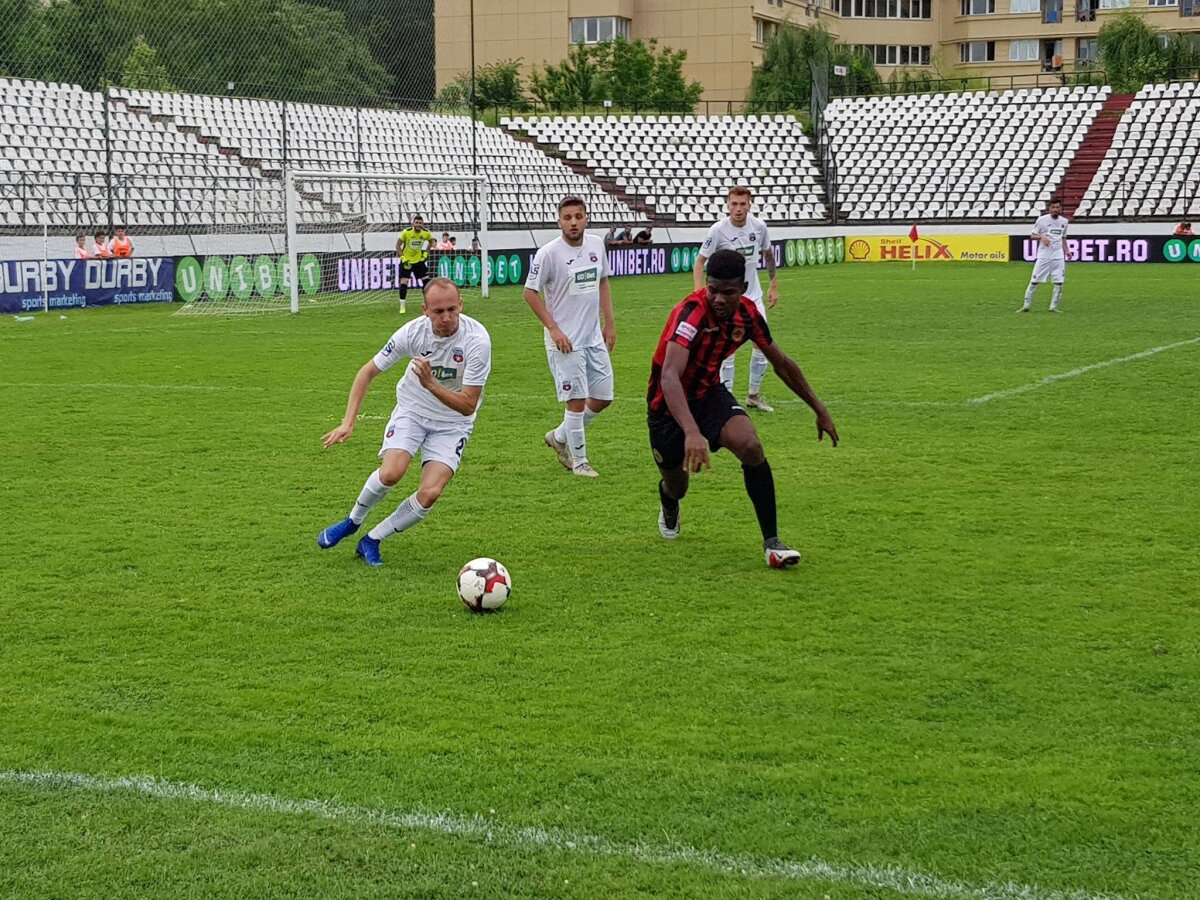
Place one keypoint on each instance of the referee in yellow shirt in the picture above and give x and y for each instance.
(413, 247)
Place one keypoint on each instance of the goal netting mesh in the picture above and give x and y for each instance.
(338, 232)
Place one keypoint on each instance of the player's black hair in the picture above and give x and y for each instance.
(727, 265)
(1054, 200)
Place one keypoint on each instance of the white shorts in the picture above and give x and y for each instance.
(1054, 270)
(442, 442)
(581, 373)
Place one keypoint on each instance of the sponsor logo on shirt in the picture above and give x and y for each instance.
(391, 345)
(685, 330)
(587, 277)
(444, 373)
(748, 251)
(534, 269)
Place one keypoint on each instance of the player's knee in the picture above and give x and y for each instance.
(675, 483)
(427, 495)
(389, 476)
(598, 405)
(749, 451)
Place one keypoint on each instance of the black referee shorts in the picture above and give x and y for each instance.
(420, 269)
(711, 412)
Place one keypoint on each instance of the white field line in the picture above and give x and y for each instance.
(891, 878)
(1075, 373)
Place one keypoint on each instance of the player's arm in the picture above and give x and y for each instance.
(607, 321)
(463, 402)
(695, 449)
(790, 374)
(358, 391)
(400, 244)
(772, 275)
(698, 278)
(557, 335)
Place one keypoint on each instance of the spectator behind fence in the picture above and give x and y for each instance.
(100, 247)
(645, 236)
(453, 243)
(624, 236)
(81, 249)
(611, 237)
(475, 247)
(122, 246)
(444, 244)
(1184, 229)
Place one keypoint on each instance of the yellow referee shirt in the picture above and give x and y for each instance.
(416, 245)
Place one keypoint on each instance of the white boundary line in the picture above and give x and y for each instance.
(1074, 373)
(892, 878)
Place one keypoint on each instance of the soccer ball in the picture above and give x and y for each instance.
(484, 585)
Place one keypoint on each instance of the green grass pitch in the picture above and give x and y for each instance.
(982, 681)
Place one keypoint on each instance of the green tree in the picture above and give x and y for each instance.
(632, 74)
(1130, 52)
(141, 71)
(784, 80)
(22, 43)
(669, 91)
(575, 81)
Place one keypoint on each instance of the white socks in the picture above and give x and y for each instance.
(727, 373)
(571, 431)
(1056, 296)
(1029, 292)
(407, 514)
(373, 491)
(758, 370)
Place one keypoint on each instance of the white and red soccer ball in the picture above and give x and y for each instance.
(484, 585)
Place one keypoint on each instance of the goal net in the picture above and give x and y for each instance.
(338, 232)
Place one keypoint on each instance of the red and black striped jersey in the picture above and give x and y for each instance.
(709, 342)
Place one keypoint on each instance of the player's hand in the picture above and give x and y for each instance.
(339, 435)
(773, 295)
(695, 454)
(825, 426)
(610, 337)
(561, 341)
(424, 372)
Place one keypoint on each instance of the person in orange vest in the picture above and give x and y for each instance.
(81, 250)
(100, 248)
(122, 246)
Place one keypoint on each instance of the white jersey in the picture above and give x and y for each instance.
(568, 278)
(462, 360)
(749, 240)
(1056, 230)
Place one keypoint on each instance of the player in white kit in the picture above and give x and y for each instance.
(747, 235)
(571, 274)
(436, 403)
(1050, 231)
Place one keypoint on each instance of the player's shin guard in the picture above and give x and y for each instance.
(1029, 292)
(727, 373)
(758, 370)
(760, 485)
(576, 436)
(1056, 296)
(373, 491)
(407, 514)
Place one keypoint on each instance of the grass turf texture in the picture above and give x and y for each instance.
(985, 669)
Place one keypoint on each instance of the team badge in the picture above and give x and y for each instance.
(458, 354)
(738, 333)
(593, 257)
(391, 430)
(566, 386)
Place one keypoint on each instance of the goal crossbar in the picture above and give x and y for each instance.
(291, 207)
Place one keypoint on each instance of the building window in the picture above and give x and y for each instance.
(977, 7)
(896, 54)
(1022, 51)
(1189, 7)
(1025, 6)
(977, 51)
(764, 30)
(1162, 2)
(598, 29)
(1115, 4)
(1087, 50)
(884, 9)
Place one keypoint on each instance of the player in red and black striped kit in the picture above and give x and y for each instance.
(692, 412)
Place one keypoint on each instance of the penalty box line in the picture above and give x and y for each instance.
(1075, 373)
(478, 828)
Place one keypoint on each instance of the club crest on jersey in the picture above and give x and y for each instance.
(457, 354)
(593, 257)
(738, 333)
(391, 430)
(566, 385)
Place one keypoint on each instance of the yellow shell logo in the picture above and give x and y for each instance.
(860, 250)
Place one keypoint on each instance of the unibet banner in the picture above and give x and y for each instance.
(1155, 248)
(935, 248)
(242, 277)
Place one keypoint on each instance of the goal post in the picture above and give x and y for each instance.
(380, 203)
(323, 237)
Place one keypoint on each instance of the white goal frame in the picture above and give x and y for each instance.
(292, 204)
